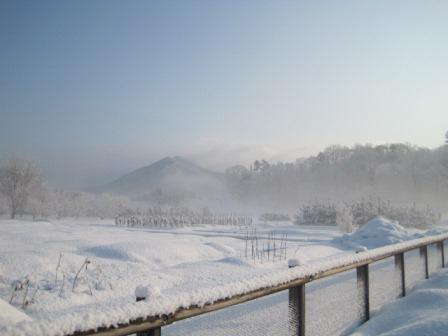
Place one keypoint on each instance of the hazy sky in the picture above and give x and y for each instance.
(91, 89)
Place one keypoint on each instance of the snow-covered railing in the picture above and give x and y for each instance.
(293, 279)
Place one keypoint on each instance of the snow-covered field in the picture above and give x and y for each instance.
(182, 266)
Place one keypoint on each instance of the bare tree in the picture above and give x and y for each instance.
(18, 178)
(446, 137)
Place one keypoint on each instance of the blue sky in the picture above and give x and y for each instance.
(90, 89)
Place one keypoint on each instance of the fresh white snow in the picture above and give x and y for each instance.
(381, 231)
(188, 266)
(421, 312)
(147, 292)
(173, 267)
(9, 314)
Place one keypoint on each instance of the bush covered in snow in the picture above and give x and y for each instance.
(81, 204)
(325, 214)
(20, 181)
(316, 214)
(87, 279)
(359, 213)
(47, 204)
(410, 216)
(274, 217)
(3, 207)
(344, 218)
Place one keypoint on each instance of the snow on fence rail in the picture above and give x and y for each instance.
(148, 318)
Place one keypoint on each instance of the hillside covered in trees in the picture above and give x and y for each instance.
(401, 173)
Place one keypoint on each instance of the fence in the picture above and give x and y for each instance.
(152, 326)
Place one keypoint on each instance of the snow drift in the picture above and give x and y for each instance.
(377, 232)
(9, 314)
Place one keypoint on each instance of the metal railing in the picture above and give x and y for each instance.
(152, 326)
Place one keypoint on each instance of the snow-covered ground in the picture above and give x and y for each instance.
(176, 261)
(421, 312)
(183, 266)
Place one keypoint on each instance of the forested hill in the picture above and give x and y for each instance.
(401, 173)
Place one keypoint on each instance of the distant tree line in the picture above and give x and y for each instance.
(401, 173)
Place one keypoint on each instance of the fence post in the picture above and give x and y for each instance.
(399, 265)
(440, 246)
(362, 276)
(152, 332)
(297, 310)
(424, 254)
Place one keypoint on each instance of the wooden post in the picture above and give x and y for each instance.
(362, 276)
(152, 332)
(424, 254)
(440, 246)
(297, 310)
(399, 266)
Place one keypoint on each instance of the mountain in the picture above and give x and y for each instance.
(170, 180)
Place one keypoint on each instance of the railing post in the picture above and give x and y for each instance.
(440, 246)
(152, 332)
(297, 310)
(399, 266)
(424, 254)
(362, 276)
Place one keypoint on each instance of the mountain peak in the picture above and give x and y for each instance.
(168, 173)
(173, 161)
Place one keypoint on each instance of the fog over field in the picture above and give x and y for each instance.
(401, 181)
(401, 173)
